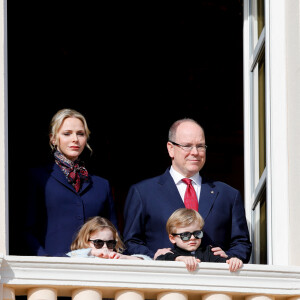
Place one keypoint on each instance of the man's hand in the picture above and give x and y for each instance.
(161, 252)
(191, 262)
(219, 251)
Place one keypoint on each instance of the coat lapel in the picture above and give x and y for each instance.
(208, 196)
(86, 184)
(57, 173)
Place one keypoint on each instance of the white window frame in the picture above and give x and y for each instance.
(3, 131)
(276, 133)
(254, 48)
(276, 172)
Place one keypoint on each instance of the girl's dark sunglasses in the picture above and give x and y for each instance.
(111, 244)
(186, 236)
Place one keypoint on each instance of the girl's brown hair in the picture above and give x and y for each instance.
(92, 225)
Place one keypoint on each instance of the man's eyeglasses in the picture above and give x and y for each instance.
(111, 244)
(189, 148)
(186, 236)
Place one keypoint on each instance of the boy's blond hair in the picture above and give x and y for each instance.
(183, 217)
(92, 225)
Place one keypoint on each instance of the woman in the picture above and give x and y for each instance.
(64, 195)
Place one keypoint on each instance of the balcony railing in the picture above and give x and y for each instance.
(96, 279)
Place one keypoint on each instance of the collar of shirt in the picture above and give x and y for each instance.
(181, 186)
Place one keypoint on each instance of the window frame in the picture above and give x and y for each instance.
(277, 147)
(254, 52)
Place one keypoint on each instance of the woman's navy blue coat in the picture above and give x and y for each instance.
(56, 211)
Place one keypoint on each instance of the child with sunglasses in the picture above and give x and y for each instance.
(98, 237)
(185, 232)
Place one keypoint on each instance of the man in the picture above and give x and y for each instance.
(150, 203)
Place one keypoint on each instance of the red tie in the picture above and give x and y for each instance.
(190, 197)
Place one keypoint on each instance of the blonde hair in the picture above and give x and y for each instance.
(183, 217)
(59, 118)
(93, 225)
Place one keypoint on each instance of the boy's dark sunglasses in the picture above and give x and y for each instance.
(111, 244)
(186, 236)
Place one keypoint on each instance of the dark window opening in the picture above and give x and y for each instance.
(131, 72)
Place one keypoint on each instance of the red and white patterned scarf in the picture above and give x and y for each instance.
(75, 171)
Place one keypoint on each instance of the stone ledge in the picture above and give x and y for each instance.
(65, 273)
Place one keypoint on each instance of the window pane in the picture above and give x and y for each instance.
(260, 16)
(263, 229)
(261, 116)
(260, 229)
(258, 20)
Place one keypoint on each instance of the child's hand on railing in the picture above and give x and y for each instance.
(191, 262)
(234, 264)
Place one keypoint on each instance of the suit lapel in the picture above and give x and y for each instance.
(170, 189)
(208, 196)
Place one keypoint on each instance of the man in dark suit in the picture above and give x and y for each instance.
(150, 202)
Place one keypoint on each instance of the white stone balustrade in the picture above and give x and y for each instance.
(47, 278)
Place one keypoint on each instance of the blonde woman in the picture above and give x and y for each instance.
(63, 195)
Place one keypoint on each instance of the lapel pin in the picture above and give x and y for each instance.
(211, 192)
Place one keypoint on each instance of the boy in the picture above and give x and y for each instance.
(184, 227)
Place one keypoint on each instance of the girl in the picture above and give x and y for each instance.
(98, 237)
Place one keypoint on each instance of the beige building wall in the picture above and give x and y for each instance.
(293, 134)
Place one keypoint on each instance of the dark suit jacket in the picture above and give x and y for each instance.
(56, 211)
(203, 253)
(150, 203)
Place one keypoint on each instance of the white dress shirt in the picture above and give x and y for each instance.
(196, 182)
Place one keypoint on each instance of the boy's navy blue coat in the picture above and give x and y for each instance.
(56, 211)
(150, 203)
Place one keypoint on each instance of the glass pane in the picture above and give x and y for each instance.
(260, 16)
(263, 229)
(261, 116)
(260, 229)
(258, 20)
